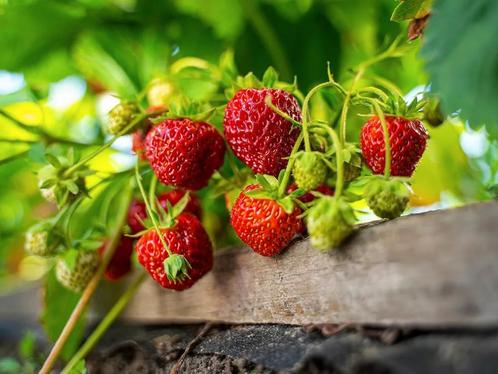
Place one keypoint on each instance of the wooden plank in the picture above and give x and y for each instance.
(437, 268)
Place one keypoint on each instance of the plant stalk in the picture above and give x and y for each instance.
(105, 323)
(387, 140)
(102, 148)
(86, 295)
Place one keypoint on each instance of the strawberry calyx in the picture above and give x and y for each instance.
(176, 268)
(269, 80)
(268, 188)
(59, 182)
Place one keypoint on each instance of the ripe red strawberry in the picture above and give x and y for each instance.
(138, 137)
(257, 135)
(184, 153)
(120, 263)
(263, 224)
(188, 238)
(137, 210)
(137, 143)
(408, 139)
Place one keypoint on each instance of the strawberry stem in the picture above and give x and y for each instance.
(391, 51)
(150, 212)
(152, 191)
(387, 140)
(339, 159)
(105, 323)
(306, 120)
(282, 188)
(102, 148)
(281, 113)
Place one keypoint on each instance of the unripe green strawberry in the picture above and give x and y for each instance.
(309, 170)
(160, 92)
(36, 243)
(77, 277)
(329, 221)
(40, 241)
(49, 194)
(121, 116)
(387, 198)
(351, 172)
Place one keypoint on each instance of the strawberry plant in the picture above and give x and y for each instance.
(190, 156)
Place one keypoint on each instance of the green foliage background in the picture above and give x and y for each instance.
(124, 44)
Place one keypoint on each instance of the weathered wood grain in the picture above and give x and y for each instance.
(438, 268)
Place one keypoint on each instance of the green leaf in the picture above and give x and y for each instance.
(179, 207)
(27, 345)
(58, 305)
(224, 16)
(410, 9)
(462, 65)
(9, 365)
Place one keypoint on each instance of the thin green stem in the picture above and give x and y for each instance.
(281, 113)
(346, 105)
(282, 188)
(105, 323)
(22, 125)
(87, 293)
(17, 141)
(306, 103)
(102, 148)
(149, 210)
(268, 36)
(387, 141)
(152, 191)
(15, 157)
(48, 138)
(339, 159)
(388, 53)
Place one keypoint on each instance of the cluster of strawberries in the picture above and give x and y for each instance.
(184, 154)
(291, 187)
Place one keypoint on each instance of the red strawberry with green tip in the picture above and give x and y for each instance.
(191, 253)
(408, 139)
(265, 224)
(120, 263)
(258, 136)
(184, 153)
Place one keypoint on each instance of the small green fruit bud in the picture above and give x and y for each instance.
(121, 116)
(77, 277)
(387, 198)
(330, 221)
(309, 170)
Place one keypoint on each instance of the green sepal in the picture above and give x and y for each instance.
(287, 203)
(53, 160)
(270, 77)
(69, 256)
(176, 268)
